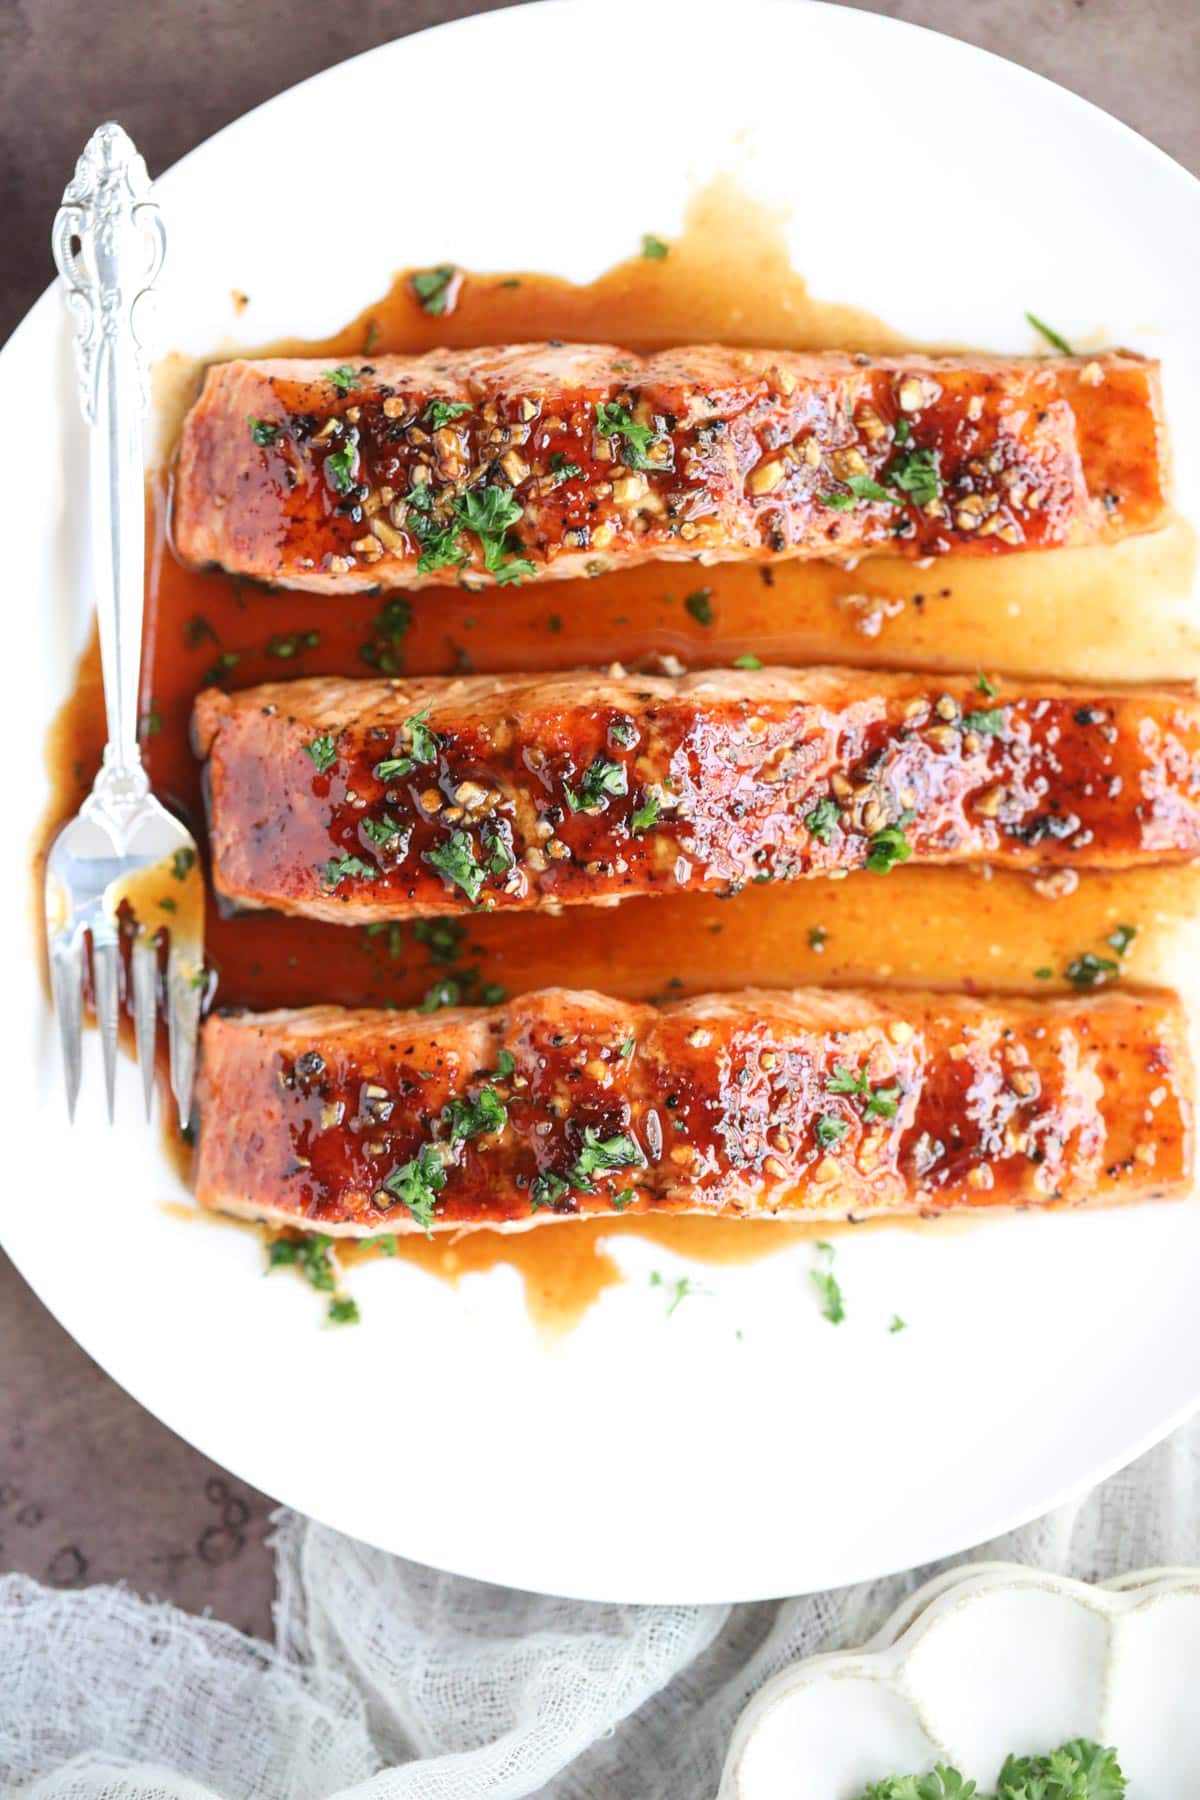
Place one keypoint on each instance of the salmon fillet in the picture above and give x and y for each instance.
(805, 1105)
(555, 460)
(359, 801)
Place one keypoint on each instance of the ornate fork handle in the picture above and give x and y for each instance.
(108, 243)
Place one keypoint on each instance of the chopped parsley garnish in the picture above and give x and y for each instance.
(818, 937)
(184, 861)
(433, 288)
(446, 992)
(986, 686)
(897, 1324)
(393, 931)
(1078, 1770)
(322, 752)
(879, 1103)
(916, 474)
(565, 471)
(424, 745)
(646, 815)
(343, 1311)
(308, 1254)
(613, 420)
(889, 846)
(1089, 971)
(1043, 974)
(263, 434)
(441, 412)
(747, 661)
(417, 1184)
(497, 842)
(487, 511)
(475, 1118)
(833, 1306)
(443, 938)
(546, 1188)
(598, 1154)
(601, 781)
(284, 644)
(653, 247)
(341, 463)
(682, 1288)
(342, 377)
(830, 1130)
(822, 819)
(989, 723)
(198, 631)
(506, 1064)
(865, 487)
(342, 868)
(623, 731)
(386, 1243)
(624, 1198)
(383, 831)
(454, 860)
(389, 626)
(699, 605)
(1051, 336)
(839, 502)
(902, 431)
(1120, 937)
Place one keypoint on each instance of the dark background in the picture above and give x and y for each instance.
(91, 1487)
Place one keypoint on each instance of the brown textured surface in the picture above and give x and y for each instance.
(74, 1451)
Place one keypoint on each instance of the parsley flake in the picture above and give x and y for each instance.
(1089, 970)
(322, 752)
(342, 377)
(613, 420)
(1120, 937)
(601, 780)
(468, 1119)
(646, 815)
(989, 723)
(441, 412)
(341, 464)
(653, 247)
(435, 288)
(822, 819)
(454, 860)
(417, 1184)
(598, 1154)
(184, 861)
(343, 868)
(699, 605)
(917, 475)
(747, 661)
(263, 434)
(1052, 337)
(343, 1311)
(830, 1130)
(833, 1306)
(889, 846)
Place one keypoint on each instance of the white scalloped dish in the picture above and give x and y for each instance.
(985, 1660)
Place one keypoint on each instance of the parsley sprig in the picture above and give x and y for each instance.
(1078, 1770)
(416, 1184)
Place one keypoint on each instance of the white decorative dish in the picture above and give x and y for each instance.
(984, 1660)
(730, 1451)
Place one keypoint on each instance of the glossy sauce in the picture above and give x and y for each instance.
(1112, 613)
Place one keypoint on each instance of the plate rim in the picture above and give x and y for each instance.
(37, 318)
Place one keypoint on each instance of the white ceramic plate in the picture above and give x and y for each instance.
(641, 1458)
(980, 1663)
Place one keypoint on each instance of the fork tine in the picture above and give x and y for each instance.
(184, 993)
(66, 980)
(144, 964)
(106, 975)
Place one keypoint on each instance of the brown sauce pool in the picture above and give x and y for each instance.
(1115, 613)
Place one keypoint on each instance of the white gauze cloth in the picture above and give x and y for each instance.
(393, 1682)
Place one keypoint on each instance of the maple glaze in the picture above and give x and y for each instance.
(1115, 613)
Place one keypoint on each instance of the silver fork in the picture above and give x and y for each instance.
(122, 846)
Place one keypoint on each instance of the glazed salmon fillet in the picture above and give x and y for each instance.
(365, 800)
(819, 1105)
(555, 460)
